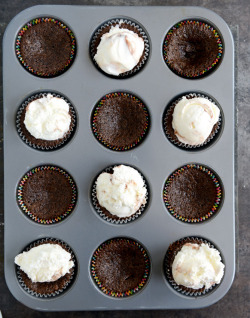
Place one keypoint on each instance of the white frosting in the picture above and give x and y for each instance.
(119, 51)
(197, 265)
(193, 119)
(47, 118)
(121, 193)
(45, 263)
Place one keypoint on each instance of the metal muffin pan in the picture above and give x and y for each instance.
(83, 157)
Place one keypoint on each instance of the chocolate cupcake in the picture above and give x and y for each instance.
(193, 266)
(192, 48)
(47, 194)
(46, 121)
(119, 194)
(120, 121)
(45, 47)
(119, 48)
(49, 270)
(193, 193)
(192, 122)
(120, 267)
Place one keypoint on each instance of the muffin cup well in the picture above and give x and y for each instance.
(206, 70)
(105, 214)
(48, 289)
(124, 23)
(140, 136)
(40, 144)
(169, 131)
(127, 293)
(172, 251)
(216, 204)
(32, 214)
(38, 21)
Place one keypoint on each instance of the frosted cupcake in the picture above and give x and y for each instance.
(193, 266)
(46, 268)
(119, 194)
(192, 121)
(119, 48)
(46, 121)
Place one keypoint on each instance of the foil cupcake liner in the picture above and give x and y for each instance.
(204, 72)
(45, 145)
(38, 21)
(172, 251)
(31, 214)
(124, 23)
(216, 205)
(112, 218)
(127, 293)
(168, 129)
(95, 114)
(34, 292)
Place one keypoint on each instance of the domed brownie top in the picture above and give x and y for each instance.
(192, 48)
(45, 47)
(120, 267)
(120, 121)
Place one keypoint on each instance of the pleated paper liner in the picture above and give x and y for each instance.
(169, 131)
(208, 68)
(214, 206)
(48, 290)
(68, 60)
(124, 23)
(66, 185)
(172, 251)
(113, 144)
(115, 293)
(40, 144)
(105, 214)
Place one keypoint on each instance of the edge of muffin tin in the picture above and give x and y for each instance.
(70, 230)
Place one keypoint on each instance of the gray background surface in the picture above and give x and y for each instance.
(236, 302)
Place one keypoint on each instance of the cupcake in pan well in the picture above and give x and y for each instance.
(193, 266)
(120, 194)
(120, 267)
(45, 47)
(192, 48)
(119, 48)
(193, 193)
(47, 194)
(120, 121)
(46, 121)
(46, 268)
(192, 122)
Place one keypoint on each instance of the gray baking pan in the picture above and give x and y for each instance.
(83, 157)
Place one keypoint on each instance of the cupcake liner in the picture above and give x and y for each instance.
(64, 286)
(40, 144)
(31, 214)
(125, 24)
(169, 131)
(96, 112)
(173, 249)
(127, 293)
(216, 205)
(38, 21)
(105, 214)
(204, 71)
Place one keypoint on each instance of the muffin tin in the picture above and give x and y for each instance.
(83, 157)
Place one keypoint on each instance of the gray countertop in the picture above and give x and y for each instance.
(236, 302)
